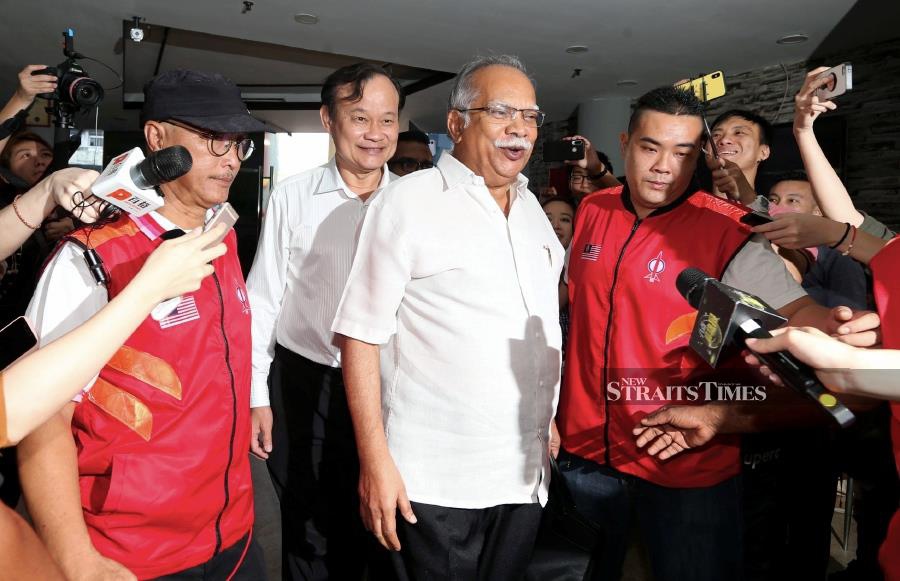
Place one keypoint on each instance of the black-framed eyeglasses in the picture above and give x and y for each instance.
(580, 179)
(507, 114)
(220, 144)
(409, 164)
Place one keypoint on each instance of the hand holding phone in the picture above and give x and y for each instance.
(224, 214)
(838, 80)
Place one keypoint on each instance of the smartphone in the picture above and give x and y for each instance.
(224, 214)
(561, 150)
(756, 218)
(16, 339)
(840, 80)
(707, 87)
(709, 139)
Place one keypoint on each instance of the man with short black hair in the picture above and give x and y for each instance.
(148, 474)
(631, 242)
(742, 139)
(413, 153)
(301, 265)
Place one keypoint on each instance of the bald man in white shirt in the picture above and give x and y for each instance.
(457, 270)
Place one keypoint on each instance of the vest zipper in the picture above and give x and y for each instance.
(612, 289)
(233, 416)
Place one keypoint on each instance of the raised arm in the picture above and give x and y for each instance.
(830, 193)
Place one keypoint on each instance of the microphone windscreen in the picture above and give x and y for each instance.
(166, 165)
(689, 280)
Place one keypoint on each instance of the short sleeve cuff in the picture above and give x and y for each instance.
(361, 332)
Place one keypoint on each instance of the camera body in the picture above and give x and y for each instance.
(73, 85)
(75, 90)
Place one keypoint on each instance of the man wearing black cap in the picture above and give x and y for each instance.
(148, 474)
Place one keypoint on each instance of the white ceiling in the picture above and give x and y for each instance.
(651, 41)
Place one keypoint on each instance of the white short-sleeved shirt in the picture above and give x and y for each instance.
(467, 299)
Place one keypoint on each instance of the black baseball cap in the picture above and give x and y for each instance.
(204, 100)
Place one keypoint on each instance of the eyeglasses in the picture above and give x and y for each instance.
(578, 179)
(220, 144)
(410, 165)
(507, 114)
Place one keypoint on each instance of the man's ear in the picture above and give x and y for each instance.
(456, 124)
(623, 143)
(325, 116)
(154, 135)
(764, 152)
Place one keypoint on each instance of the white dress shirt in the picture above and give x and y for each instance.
(467, 299)
(301, 265)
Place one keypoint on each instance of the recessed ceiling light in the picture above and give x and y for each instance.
(627, 83)
(577, 49)
(306, 18)
(792, 39)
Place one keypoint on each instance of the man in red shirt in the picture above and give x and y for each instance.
(629, 343)
(148, 475)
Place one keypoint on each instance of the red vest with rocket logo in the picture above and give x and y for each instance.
(629, 329)
(886, 286)
(163, 434)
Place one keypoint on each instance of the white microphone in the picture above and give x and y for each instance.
(129, 181)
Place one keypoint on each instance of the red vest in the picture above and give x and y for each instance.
(629, 327)
(886, 286)
(163, 435)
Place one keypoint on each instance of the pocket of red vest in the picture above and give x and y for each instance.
(156, 487)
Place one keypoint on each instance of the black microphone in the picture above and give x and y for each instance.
(162, 166)
(728, 316)
(130, 179)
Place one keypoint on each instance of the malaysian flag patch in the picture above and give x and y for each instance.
(185, 312)
(591, 252)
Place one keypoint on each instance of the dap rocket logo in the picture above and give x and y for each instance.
(655, 266)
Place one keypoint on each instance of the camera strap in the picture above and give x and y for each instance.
(13, 124)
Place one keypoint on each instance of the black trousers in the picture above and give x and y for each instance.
(788, 502)
(315, 472)
(467, 544)
(242, 561)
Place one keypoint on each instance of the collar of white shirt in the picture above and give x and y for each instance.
(332, 181)
(455, 172)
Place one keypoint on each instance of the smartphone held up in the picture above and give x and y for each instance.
(839, 81)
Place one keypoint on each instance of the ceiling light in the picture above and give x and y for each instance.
(577, 49)
(626, 83)
(792, 39)
(306, 18)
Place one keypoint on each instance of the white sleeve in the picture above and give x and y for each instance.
(265, 287)
(66, 296)
(381, 268)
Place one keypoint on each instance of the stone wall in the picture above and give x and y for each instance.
(871, 112)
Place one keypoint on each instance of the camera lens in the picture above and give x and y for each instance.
(85, 91)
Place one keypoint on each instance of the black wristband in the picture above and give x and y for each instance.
(601, 174)
(844, 237)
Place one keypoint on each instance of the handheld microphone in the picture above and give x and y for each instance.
(129, 181)
(727, 316)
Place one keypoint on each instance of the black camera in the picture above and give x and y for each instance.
(73, 86)
(75, 90)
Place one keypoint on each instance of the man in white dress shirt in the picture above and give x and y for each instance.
(457, 268)
(301, 265)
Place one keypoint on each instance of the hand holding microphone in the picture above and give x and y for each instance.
(727, 315)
